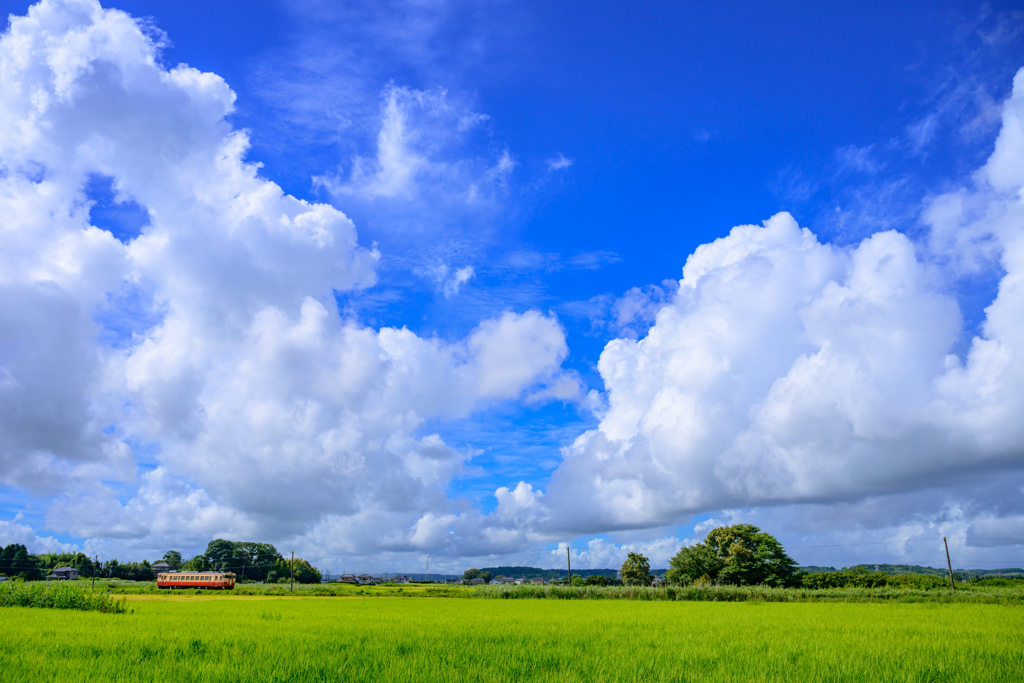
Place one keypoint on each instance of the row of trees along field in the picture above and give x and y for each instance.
(250, 561)
(744, 555)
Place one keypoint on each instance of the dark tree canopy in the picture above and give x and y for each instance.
(740, 554)
(304, 572)
(248, 560)
(15, 561)
(636, 570)
(173, 558)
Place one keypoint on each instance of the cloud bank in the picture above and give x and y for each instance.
(234, 398)
(787, 370)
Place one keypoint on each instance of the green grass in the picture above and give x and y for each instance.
(237, 638)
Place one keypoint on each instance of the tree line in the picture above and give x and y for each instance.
(249, 561)
(743, 555)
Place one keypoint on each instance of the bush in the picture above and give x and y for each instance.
(58, 595)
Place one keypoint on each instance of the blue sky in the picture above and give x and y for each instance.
(524, 184)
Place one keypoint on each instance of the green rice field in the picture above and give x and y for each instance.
(259, 638)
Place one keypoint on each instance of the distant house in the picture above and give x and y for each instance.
(348, 578)
(519, 582)
(658, 581)
(160, 568)
(401, 578)
(537, 581)
(364, 579)
(504, 580)
(64, 573)
(476, 582)
(376, 581)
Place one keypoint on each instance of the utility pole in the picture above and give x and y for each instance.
(292, 571)
(95, 567)
(949, 565)
(568, 561)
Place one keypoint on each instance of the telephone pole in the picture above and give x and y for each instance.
(292, 571)
(949, 565)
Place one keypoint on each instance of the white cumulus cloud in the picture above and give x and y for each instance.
(788, 370)
(257, 410)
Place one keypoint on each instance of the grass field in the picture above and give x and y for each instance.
(253, 638)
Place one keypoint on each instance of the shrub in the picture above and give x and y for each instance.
(58, 595)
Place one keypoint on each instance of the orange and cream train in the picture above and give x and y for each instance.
(213, 580)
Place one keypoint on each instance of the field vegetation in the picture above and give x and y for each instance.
(222, 638)
(58, 595)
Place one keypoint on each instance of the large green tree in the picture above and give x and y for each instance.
(636, 570)
(246, 559)
(304, 572)
(173, 558)
(741, 554)
(15, 561)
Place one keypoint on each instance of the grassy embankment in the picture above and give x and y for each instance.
(218, 638)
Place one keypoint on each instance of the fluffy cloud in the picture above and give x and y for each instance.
(255, 407)
(787, 370)
(15, 532)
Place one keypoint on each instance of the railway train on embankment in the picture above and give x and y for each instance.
(211, 580)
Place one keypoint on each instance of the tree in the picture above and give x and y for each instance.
(471, 574)
(486, 576)
(595, 580)
(254, 560)
(636, 570)
(740, 554)
(222, 555)
(173, 558)
(304, 572)
(199, 563)
(15, 561)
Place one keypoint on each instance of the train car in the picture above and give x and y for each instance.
(211, 580)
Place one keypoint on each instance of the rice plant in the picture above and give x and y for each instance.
(221, 638)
